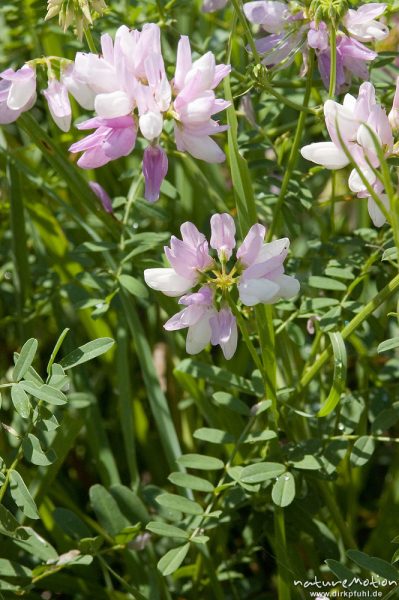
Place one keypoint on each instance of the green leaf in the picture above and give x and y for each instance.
(191, 482)
(340, 570)
(87, 352)
(325, 283)
(25, 359)
(34, 544)
(34, 452)
(8, 523)
(199, 461)
(214, 436)
(128, 534)
(362, 450)
(20, 401)
(44, 392)
(133, 286)
(131, 506)
(262, 471)
(14, 570)
(107, 510)
(260, 436)
(283, 492)
(21, 496)
(220, 377)
(91, 545)
(173, 559)
(180, 504)
(385, 419)
(200, 539)
(164, 529)
(339, 378)
(232, 403)
(376, 565)
(308, 462)
(58, 379)
(388, 345)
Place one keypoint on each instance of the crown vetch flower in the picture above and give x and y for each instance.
(257, 274)
(155, 167)
(112, 139)
(127, 86)
(292, 29)
(352, 122)
(59, 105)
(209, 6)
(17, 93)
(102, 195)
(128, 80)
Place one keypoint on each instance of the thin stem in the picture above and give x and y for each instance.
(11, 468)
(302, 108)
(222, 480)
(90, 40)
(333, 61)
(238, 9)
(294, 150)
(284, 574)
(335, 512)
(347, 331)
(245, 333)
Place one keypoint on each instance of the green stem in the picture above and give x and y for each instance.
(333, 61)
(241, 17)
(90, 41)
(245, 334)
(264, 319)
(11, 468)
(347, 331)
(19, 244)
(294, 150)
(284, 575)
(302, 108)
(329, 498)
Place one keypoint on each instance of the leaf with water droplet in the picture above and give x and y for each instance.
(339, 378)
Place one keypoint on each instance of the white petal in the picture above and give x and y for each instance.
(115, 104)
(167, 281)
(202, 147)
(151, 125)
(255, 291)
(199, 335)
(375, 213)
(325, 154)
(21, 93)
(289, 286)
(230, 346)
(355, 182)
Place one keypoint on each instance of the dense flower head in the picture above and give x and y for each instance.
(207, 285)
(128, 81)
(127, 87)
(292, 28)
(355, 127)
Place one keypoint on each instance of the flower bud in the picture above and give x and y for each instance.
(155, 167)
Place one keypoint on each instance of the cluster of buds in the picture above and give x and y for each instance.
(74, 12)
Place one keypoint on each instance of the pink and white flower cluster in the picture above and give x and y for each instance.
(127, 87)
(257, 273)
(357, 125)
(292, 30)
